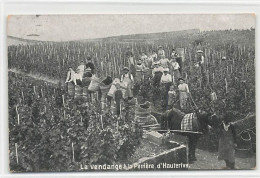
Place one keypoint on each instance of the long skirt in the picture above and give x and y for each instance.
(177, 75)
(183, 100)
(226, 148)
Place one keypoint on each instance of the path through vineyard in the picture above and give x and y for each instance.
(37, 77)
(209, 160)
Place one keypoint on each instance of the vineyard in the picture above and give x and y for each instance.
(51, 131)
(56, 133)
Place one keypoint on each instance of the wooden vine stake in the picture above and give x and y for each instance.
(18, 119)
(16, 153)
(42, 92)
(34, 90)
(92, 97)
(245, 93)
(101, 120)
(226, 85)
(63, 101)
(23, 96)
(64, 113)
(16, 109)
(73, 157)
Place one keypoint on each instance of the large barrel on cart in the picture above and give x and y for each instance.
(245, 130)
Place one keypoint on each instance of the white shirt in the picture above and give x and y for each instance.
(166, 78)
(161, 52)
(140, 67)
(175, 65)
(70, 75)
(154, 55)
(81, 68)
(143, 58)
(77, 77)
(202, 60)
(164, 62)
(149, 60)
(157, 69)
(183, 87)
(127, 76)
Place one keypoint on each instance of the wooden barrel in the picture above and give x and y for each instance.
(142, 112)
(78, 91)
(71, 89)
(244, 145)
(247, 123)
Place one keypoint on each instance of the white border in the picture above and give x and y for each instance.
(114, 7)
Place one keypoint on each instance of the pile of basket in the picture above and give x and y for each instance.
(144, 117)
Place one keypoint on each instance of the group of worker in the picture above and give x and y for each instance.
(165, 75)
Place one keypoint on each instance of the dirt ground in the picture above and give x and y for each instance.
(209, 160)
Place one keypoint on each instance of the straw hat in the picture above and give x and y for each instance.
(166, 70)
(126, 68)
(199, 51)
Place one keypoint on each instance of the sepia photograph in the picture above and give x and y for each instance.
(131, 92)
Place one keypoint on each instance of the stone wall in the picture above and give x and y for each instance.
(172, 159)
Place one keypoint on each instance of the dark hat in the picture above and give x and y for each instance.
(126, 68)
(179, 79)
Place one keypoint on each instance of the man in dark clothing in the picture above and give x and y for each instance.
(90, 65)
(118, 98)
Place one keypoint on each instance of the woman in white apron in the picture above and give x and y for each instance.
(128, 81)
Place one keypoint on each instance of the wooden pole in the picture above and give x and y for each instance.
(16, 153)
(34, 90)
(245, 93)
(187, 149)
(63, 100)
(73, 157)
(22, 95)
(120, 109)
(18, 119)
(101, 122)
(42, 92)
(226, 85)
